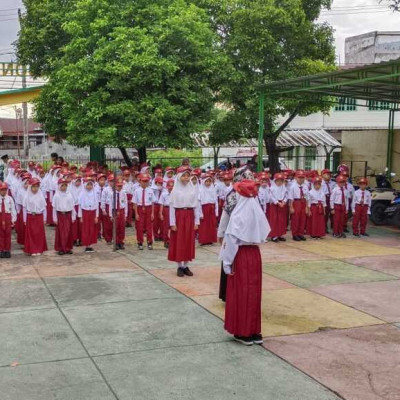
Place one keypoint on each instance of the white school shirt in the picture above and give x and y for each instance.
(357, 199)
(107, 192)
(172, 217)
(336, 197)
(99, 192)
(64, 203)
(350, 190)
(157, 195)
(149, 197)
(264, 197)
(316, 197)
(164, 199)
(129, 187)
(278, 193)
(208, 196)
(294, 191)
(328, 187)
(123, 202)
(9, 206)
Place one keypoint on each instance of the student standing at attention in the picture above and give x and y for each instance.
(241, 259)
(184, 217)
(209, 212)
(8, 215)
(361, 208)
(64, 216)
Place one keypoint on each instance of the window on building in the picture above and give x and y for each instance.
(289, 155)
(346, 104)
(374, 105)
(310, 154)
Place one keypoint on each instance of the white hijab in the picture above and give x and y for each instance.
(34, 202)
(76, 192)
(248, 222)
(63, 201)
(208, 194)
(88, 198)
(184, 196)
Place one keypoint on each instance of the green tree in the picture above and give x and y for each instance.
(122, 73)
(269, 40)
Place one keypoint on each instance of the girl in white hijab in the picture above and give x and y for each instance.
(241, 259)
(64, 216)
(34, 213)
(184, 213)
(209, 211)
(89, 214)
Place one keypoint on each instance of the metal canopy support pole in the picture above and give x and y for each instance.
(261, 132)
(389, 156)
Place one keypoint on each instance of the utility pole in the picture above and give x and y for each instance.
(24, 105)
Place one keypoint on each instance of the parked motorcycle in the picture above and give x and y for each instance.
(382, 197)
(392, 213)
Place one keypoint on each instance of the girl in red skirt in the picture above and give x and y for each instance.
(278, 213)
(317, 205)
(209, 212)
(20, 193)
(76, 191)
(35, 209)
(64, 216)
(241, 259)
(89, 213)
(184, 221)
(8, 215)
(164, 210)
(157, 188)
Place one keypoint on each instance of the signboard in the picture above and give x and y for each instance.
(13, 69)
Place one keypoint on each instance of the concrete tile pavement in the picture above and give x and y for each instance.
(121, 326)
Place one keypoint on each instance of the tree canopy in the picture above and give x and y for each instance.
(122, 73)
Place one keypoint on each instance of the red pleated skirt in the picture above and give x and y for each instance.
(89, 228)
(277, 220)
(20, 228)
(182, 242)
(317, 218)
(35, 235)
(49, 207)
(64, 240)
(208, 225)
(76, 227)
(243, 296)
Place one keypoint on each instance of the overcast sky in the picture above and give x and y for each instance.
(348, 18)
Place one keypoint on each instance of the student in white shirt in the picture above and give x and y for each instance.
(361, 208)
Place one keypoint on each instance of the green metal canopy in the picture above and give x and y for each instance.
(378, 82)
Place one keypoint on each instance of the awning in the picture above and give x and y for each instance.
(288, 138)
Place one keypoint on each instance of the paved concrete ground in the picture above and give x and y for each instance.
(123, 326)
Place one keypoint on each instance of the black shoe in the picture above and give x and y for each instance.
(7, 254)
(365, 234)
(282, 239)
(89, 250)
(247, 341)
(140, 246)
(150, 246)
(346, 230)
(2, 254)
(69, 252)
(356, 235)
(122, 246)
(60, 253)
(180, 272)
(257, 339)
(296, 238)
(275, 240)
(109, 243)
(302, 238)
(166, 245)
(343, 236)
(187, 272)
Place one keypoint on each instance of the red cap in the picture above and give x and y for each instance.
(264, 176)
(34, 182)
(144, 177)
(196, 171)
(3, 185)
(101, 176)
(317, 179)
(278, 176)
(170, 183)
(340, 179)
(62, 181)
(31, 163)
(300, 174)
(247, 188)
(169, 169)
(345, 173)
(182, 169)
(88, 179)
(363, 181)
(111, 178)
(158, 171)
(126, 172)
(326, 171)
(26, 176)
(159, 180)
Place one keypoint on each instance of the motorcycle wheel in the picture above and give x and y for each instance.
(378, 216)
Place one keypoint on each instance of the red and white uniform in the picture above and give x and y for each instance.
(340, 204)
(121, 213)
(144, 200)
(361, 209)
(317, 205)
(209, 213)
(299, 195)
(8, 216)
(278, 216)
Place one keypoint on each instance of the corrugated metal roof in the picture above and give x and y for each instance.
(288, 138)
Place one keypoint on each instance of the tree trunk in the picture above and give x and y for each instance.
(273, 153)
(216, 152)
(142, 155)
(125, 155)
